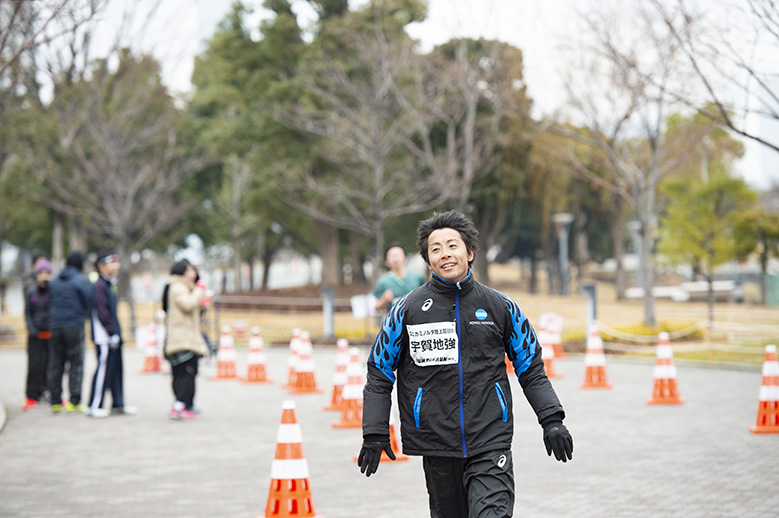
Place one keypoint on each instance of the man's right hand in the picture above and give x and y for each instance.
(370, 454)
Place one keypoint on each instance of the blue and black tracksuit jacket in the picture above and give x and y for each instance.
(447, 343)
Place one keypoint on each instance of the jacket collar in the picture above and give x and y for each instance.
(441, 285)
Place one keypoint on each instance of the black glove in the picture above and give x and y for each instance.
(557, 439)
(370, 454)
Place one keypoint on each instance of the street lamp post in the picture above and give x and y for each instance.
(563, 222)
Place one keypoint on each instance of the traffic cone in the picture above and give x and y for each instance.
(665, 391)
(292, 361)
(240, 327)
(351, 412)
(595, 361)
(339, 378)
(555, 329)
(290, 492)
(256, 359)
(151, 358)
(305, 377)
(225, 355)
(544, 336)
(768, 409)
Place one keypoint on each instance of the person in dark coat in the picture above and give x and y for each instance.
(69, 309)
(37, 305)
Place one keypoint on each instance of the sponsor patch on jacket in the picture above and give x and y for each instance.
(433, 344)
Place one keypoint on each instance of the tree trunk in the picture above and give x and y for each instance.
(237, 259)
(763, 272)
(581, 245)
(57, 231)
(646, 270)
(355, 258)
(328, 242)
(77, 235)
(124, 285)
(616, 231)
(481, 265)
(712, 300)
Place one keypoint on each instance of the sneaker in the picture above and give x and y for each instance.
(181, 415)
(126, 410)
(81, 408)
(97, 412)
(56, 409)
(29, 403)
(195, 410)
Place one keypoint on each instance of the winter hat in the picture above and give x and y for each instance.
(42, 265)
(76, 260)
(105, 257)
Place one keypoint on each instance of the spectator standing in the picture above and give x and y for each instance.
(447, 341)
(37, 306)
(70, 296)
(182, 301)
(397, 281)
(107, 336)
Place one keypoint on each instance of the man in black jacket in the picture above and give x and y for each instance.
(447, 342)
(70, 293)
(107, 336)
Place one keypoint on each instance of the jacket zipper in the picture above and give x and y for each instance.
(460, 364)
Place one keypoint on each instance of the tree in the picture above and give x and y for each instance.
(25, 25)
(124, 163)
(476, 131)
(757, 231)
(238, 78)
(730, 50)
(623, 109)
(350, 80)
(698, 226)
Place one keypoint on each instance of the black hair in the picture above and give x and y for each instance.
(75, 259)
(180, 267)
(177, 269)
(452, 219)
(394, 244)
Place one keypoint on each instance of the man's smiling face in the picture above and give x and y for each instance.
(448, 257)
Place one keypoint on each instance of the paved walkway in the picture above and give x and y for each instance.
(630, 459)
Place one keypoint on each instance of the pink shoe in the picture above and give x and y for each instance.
(181, 415)
(29, 403)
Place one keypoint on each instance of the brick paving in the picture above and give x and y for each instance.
(630, 459)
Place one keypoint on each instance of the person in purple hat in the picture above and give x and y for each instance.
(37, 306)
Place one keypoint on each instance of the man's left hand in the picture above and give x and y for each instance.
(557, 439)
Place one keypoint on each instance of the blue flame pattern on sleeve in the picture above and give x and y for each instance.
(522, 339)
(386, 349)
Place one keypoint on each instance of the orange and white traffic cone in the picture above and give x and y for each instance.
(240, 327)
(225, 355)
(290, 491)
(339, 378)
(351, 411)
(666, 390)
(544, 336)
(151, 357)
(768, 409)
(257, 372)
(292, 361)
(555, 329)
(305, 376)
(595, 361)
